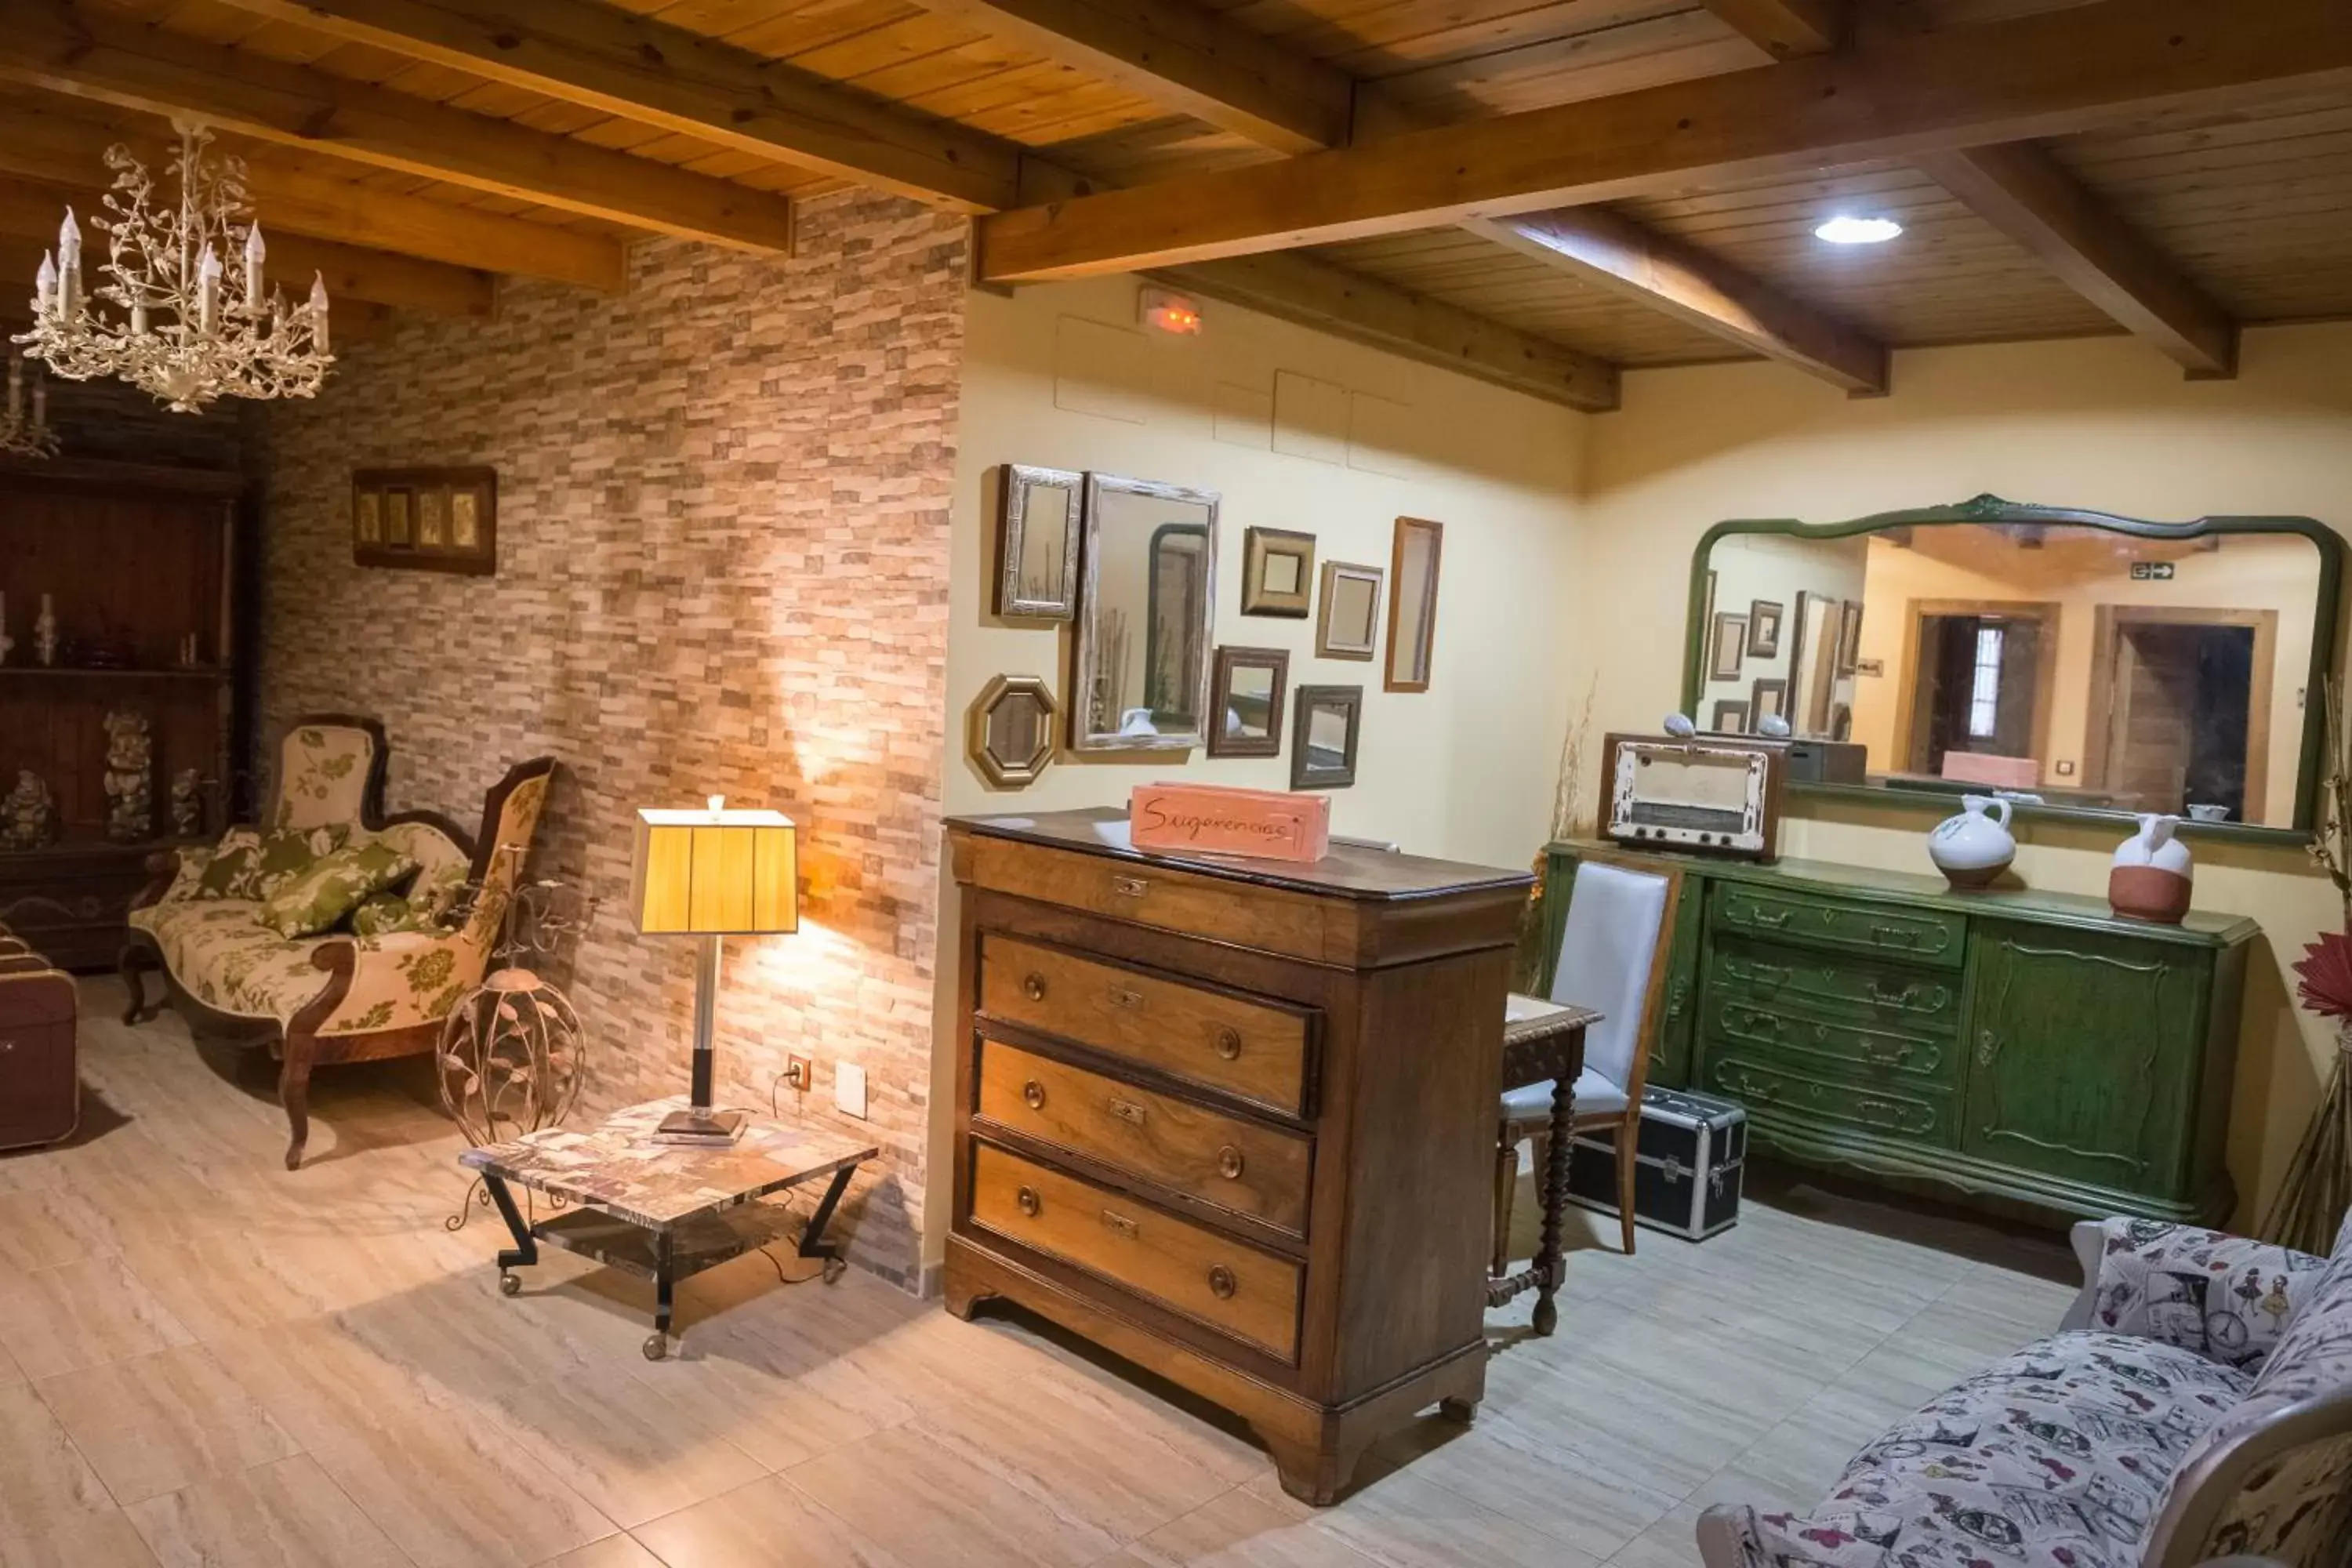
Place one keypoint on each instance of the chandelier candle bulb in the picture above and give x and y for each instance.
(208, 281)
(44, 285)
(319, 312)
(255, 253)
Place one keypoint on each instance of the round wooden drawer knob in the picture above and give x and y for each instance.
(1229, 1043)
(1221, 1283)
(1033, 988)
(1229, 1162)
(1027, 1200)
(1033, 1093)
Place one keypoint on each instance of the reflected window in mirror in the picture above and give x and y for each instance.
(1247, 698)
(1146, 607)
(2100, 664)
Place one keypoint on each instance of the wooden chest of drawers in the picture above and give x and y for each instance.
(1234, 1121)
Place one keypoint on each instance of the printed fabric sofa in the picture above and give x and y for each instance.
(2196, 1403)
(382, 980)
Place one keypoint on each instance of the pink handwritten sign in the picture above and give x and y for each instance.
(1206, 819)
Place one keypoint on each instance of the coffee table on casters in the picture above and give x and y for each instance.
(663, 1212)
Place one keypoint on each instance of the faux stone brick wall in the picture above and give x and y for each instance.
(723, 549)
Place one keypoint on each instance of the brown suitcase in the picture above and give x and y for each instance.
(40, 1087)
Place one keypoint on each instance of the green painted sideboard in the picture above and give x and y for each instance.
(2021, 1050)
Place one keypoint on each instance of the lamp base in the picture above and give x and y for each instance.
(701, 1125)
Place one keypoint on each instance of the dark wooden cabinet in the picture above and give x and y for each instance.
(2021, 1049)
(143, 569)
(1234, 1121)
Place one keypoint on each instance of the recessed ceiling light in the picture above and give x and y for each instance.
(1845, 230)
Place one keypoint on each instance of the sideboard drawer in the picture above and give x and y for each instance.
(1914, 936)
(1268, 919)
(1237, 1164)
(1821, 985)
(1736, 1026)
(1236, 1289)
(1252, 1048)
(1916, 1114)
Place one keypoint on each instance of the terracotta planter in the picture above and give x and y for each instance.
(2148, 893)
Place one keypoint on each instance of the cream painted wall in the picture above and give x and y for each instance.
(1464, 771)
(2102, 423)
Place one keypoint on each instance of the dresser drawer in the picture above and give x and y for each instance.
(1235, 1163)
(1253, 1050)
(1268, 919)
(1913, 936)
(1848, 990)
(1785, 1034)
(1914, 1113)
(1252, 1295)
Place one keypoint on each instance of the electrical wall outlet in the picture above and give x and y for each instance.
(800, 1072)
(849, 1089)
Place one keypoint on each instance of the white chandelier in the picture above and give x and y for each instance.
(24, 431)
(192, 319)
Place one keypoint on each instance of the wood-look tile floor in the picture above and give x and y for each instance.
(206, 1360)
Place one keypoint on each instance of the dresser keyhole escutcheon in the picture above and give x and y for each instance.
(1128, 1110)
(1129, 887)
(1120, 1224)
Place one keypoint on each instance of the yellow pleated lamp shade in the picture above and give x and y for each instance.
(716, 873)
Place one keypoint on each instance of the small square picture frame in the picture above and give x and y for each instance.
(1764, 629)
(1349, 625)
(1767, 698)
(1278, 573)
(1731, 718)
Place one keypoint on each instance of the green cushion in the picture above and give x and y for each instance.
(253, 865)
(382, 913)
(317, 898)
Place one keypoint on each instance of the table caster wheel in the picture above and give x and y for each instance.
(508, 1284)
(656, 1346)
(835, 1267)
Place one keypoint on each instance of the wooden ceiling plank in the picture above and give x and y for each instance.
(288, 198)
(1177, 54)
(2023, 192)
(2046, 74)
(1785, 29)
(1365, 310)
(591, 54)
(50, 45)
(1693, 286)
(31, 209)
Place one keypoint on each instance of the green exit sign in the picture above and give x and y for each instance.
(2151, 571)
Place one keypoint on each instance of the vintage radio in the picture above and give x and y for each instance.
(1716, 794)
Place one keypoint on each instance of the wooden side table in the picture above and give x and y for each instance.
(1545, 1040)
(665, 1212)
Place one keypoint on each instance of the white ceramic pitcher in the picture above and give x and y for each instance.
(1975, 846)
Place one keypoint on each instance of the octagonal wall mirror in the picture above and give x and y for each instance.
(1146, 606)
(1011, 740)
(2088, 665)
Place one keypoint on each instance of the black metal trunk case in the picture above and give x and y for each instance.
(1687, 1160)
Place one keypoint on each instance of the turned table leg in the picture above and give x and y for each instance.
(1550, 1259)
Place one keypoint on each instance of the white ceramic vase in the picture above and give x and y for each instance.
(1975, 846)
(2152, 874)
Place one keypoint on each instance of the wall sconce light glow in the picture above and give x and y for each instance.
(1846, 230)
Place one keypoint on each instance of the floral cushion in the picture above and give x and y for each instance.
(318, 897)
(2056, 1458)
(251, 865)
(323, 775)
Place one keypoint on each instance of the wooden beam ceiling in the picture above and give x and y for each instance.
(1175, 52)
(1786, 29)
(48, 44)
(1621, 255)
(588, 53)
(2036, 75)
(38, 143)
(1364, 310)
(2023, 192)
(32, 210)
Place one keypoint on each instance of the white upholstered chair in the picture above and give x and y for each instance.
(1613, 958)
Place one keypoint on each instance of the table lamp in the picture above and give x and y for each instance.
(713, 874)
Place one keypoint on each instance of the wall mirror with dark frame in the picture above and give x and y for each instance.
(1246, 697)
(1147, 608)
(1329, 723)
(2091, 665)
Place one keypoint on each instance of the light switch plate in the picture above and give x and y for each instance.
(849, 1089)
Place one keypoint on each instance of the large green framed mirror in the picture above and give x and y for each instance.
(2089, 665)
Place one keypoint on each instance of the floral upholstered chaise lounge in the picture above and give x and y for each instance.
(2195, 1404)
(381, 982)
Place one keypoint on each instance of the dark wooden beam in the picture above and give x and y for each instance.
(1314, 293)
(1786, 29)
(52, 44)
(2025, 193)
(606, 59)
(2038, 75)
(1603, 247)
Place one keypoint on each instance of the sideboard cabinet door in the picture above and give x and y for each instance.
(2085, 1054)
